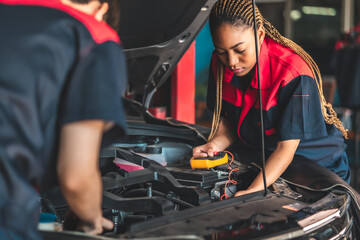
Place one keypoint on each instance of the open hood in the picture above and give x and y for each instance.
(155, 35)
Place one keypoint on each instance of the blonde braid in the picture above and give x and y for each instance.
(327, 110)
(239, 12)
(237, 8)
(218, 103)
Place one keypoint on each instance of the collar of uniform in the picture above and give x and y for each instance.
(264, 64)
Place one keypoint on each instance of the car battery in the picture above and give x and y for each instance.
(202, 178)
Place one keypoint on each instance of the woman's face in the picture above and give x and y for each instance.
(235, 47)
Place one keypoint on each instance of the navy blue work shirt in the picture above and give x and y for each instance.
(291, 108)
(57, 66)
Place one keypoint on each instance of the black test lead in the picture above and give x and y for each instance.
(260, 101)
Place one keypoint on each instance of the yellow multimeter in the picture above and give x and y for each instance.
(209, 162)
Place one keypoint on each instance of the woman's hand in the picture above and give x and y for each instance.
(244, 192)
(275, 165)
(224, 137)
(206, 150)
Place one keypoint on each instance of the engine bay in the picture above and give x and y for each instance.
(148, 177)
(150, 190)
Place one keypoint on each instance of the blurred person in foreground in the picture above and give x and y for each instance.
(62, 76)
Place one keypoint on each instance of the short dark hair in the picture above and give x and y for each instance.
(112, 17)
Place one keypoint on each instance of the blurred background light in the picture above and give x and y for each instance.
(324, 11)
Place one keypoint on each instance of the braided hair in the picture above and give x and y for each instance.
(240, 13)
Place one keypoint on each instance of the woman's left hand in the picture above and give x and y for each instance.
(244, 192)
(275, 165)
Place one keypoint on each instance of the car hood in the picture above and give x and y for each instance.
(155, 35)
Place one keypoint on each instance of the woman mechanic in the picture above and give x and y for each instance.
(298, 122)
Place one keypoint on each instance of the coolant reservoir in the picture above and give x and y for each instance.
(152, 152)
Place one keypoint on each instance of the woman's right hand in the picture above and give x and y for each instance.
(224, 137)
(207, 150)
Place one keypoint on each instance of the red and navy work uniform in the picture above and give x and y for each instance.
(57, 66)
(291, 108)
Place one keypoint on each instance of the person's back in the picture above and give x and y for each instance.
(57, 66)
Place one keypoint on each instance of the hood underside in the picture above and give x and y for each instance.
(155, 35)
